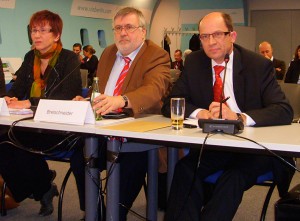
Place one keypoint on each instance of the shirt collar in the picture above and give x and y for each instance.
(132, 55)
(229, 64)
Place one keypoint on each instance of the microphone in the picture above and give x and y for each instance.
(221, 125)
(226, 59)
(63, 80)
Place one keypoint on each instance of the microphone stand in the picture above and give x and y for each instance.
(226, 59)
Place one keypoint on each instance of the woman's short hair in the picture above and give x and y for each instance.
(43, 17)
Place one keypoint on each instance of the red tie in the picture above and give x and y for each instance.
(122, 76)
(218, 83)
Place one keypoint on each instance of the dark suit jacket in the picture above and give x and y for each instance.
(279, 64)
(257, 92)
(179, 64)
(67, 65)
(2, 80)
(147, 80)
(293, 72)
(91, 66)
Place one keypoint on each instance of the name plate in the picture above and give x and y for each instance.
(65, 112)
(3, 108)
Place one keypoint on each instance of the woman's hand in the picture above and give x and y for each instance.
(78, 98)
(16, 104)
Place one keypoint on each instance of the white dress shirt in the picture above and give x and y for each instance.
(228, 90)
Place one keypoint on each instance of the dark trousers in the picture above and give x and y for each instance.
(133, 168)
(186, 201)
(26, 174)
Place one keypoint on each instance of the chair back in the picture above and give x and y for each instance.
(8, 86)
(292, 92)
(84, 77)
(175, 73)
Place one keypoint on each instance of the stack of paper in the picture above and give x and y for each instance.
(20, 111)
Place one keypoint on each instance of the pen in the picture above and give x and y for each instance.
(224, 100)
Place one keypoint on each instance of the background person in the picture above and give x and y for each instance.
(77, 50)
(89, 62)
(178, 63)
(186, 53)
(265, 49)
(293, 72)
(254, 94)
(47, 72)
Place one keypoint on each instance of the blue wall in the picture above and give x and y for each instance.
(206, 5)
(13, 24)
(211, 4)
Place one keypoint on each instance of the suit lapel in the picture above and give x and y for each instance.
(207, 78)
(106, 69)
(238, 80)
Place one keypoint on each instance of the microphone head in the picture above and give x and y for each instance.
(226, 58)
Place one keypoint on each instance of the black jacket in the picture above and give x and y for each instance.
(279, 64)
(2, 80)
(64, 81)
(293, 73)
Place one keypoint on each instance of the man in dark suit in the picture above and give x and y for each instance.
(265, 49)
(255, 97)
(178, 63)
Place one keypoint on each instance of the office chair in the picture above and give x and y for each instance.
(63, 156)
(263, 180)
(84, 77)
(8, 86)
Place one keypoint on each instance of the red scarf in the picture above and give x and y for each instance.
(40, 82)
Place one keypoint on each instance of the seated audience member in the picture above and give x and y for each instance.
(134, 75)
(2, 80)
(255, 98)
(186, 53)
(47, 72)
(178, 63)
(265, 49)
(293, 72)
(89, 62)
(77, 50)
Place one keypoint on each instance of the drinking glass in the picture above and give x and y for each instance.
(177, 113)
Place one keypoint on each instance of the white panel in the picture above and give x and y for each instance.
(246, 37)
(275, 27)
(193, 16)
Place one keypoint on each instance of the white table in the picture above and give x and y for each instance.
(277, 138)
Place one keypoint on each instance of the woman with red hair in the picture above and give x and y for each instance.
(48, 72)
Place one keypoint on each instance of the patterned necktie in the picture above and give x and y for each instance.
(122, 76)
(218, 83)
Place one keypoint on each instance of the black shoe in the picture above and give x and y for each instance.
(47, 201)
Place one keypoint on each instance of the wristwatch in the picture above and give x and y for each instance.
(125, 99)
